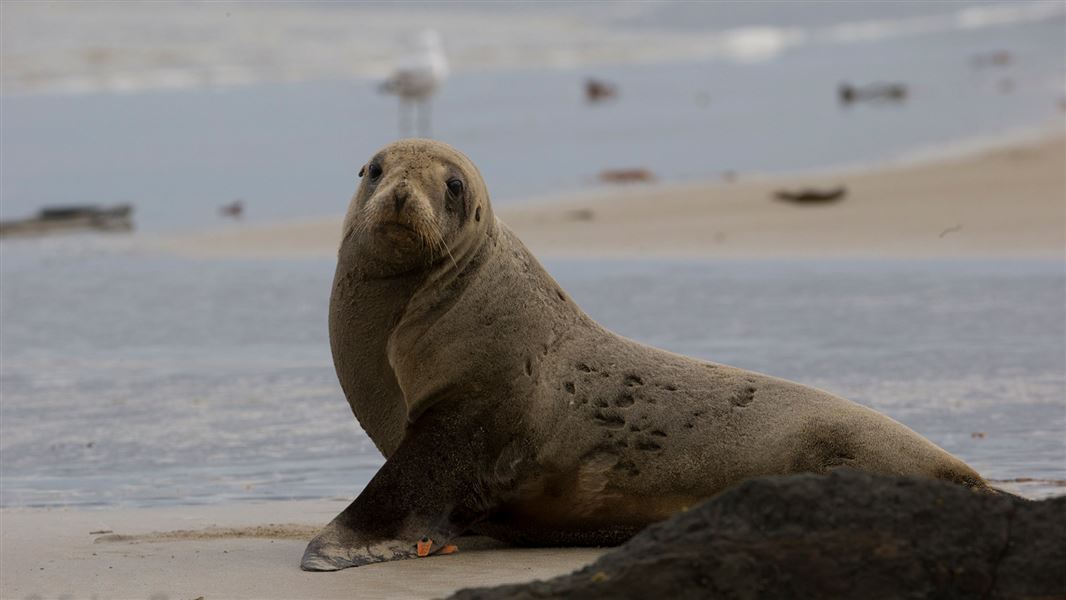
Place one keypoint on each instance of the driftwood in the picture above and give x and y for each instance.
(812, 196)
(874, 92)
(626, 175)
(71, 218)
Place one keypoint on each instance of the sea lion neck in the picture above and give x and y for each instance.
(366, 307)
(443, 284)
(362, 313)
(462, 320)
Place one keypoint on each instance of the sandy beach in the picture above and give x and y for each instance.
(249, 550)
(1008, 203)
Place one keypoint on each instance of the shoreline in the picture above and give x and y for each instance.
(1005, 202)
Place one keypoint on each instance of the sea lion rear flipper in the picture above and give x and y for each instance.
(420, 500)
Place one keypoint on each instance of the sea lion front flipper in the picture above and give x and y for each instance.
(420, 500)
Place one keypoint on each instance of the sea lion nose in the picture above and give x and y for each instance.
(399, 197)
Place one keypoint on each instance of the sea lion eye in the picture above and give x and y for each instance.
(455, 186)
(374, 170)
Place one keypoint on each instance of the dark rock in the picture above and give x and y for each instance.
(843, 535)
(812, 196)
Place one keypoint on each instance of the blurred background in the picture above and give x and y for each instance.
(181, 107)
(133, 374)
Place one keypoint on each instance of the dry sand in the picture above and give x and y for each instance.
(1006, 203)
(249, 550)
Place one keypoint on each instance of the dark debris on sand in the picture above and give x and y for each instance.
(844, 535)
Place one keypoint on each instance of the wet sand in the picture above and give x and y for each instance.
(1004, 203)
(233, 551)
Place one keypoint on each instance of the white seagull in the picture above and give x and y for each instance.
(418, 74)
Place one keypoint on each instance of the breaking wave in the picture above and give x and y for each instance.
(77, 48)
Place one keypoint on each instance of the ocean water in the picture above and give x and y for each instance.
(78, 48)
(180, 108)
(130, 378)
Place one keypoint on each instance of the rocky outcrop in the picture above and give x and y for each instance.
(844, 535)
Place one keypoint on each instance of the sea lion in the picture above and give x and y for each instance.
(504, 409)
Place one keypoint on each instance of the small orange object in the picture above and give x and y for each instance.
(448, 549)
(423, 547)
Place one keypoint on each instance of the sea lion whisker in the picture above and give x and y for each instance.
(443, 245)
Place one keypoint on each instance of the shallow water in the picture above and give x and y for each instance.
(134, 379)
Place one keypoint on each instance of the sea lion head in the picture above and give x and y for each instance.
(419, 202)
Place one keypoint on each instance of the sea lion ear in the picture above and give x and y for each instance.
(362, 171)
(477, 213)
